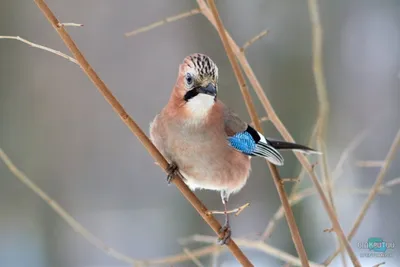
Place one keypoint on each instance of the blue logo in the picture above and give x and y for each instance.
(377, 247)
(377, 244)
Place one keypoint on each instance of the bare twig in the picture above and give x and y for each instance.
(294, 197)
(164, 21)
(237, 211)
(261, 246)
(189, 195)
(262, 119)
(370, 163)
(214, 259)
(182, 257)
(253, 114)
(265, 118)
(379, 264)
(92, 239)
(70, 24)
(355, 142)
(236, 69)
(374, 191)
(279, 213)
(301, 195)
(290, 180)
(193, 257)
(253, 40)
(280, 127)
(392, 182)
(320, 84)
(41, 47)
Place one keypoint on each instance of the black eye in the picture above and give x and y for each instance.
(189, 79)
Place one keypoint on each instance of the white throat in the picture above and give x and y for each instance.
(200, 105)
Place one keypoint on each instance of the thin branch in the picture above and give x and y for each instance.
(237, 211)
(265, 118)
(379, 264)
(92, 239)
(370, 163)
(253, 40)
(70, 24)
(261, 246)
(308, 192)
(374, 191)
(337, 172)
(182, 257)
(253, 114)
(236, 69)
(320, 84)
(188, 194)
(392, 182)
(280, 127)
(41, 47)
(262, 119)
(279, 212)
(193, 257)
(290, 180)
(164, 21)
(214, 259)
(355, 142)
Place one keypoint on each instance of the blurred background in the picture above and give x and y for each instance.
(60, 131)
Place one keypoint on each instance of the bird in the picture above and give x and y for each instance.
(204, 141)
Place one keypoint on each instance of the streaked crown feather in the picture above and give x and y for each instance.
(204, 67)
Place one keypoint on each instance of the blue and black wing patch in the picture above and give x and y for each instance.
(252, 143)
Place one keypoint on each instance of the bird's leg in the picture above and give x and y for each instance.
(172, 170)
(225, 229)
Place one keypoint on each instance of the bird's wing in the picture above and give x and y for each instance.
(247, 140)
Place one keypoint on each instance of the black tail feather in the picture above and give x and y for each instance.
(282, 145)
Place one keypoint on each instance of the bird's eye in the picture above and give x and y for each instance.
(189, 79)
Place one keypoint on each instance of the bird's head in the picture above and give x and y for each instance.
(196, 86)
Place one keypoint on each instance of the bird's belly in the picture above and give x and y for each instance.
(212, 165)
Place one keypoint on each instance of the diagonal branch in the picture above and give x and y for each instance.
(41, 47)
(253, 40)
(194, 259)
(282, 129)
(189, 195)
(337, 172)
(162, 22)
(374, 191)
(253, 114)
(279, 213)
(95, 241)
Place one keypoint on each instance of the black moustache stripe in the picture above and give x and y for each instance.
(190, 94)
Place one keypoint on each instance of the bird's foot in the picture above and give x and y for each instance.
(172, 170)
(226, 230)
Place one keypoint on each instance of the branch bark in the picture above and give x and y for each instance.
(253, 114)
(282, 129)
(189, 195)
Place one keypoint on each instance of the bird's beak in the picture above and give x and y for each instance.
(208, 90)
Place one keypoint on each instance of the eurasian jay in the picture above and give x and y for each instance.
(205, 141)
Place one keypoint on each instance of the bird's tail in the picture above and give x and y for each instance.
(282, 145)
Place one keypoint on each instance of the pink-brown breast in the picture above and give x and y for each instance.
(200, 149)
